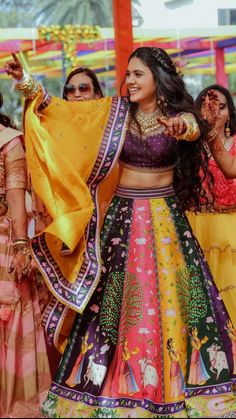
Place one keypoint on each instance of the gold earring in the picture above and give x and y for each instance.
(227, 130)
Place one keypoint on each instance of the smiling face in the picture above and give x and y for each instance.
(83, 88)
(140, 83)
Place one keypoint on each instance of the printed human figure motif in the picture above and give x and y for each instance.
(127, 382)
(177, 386)
(232, 334)
(197, 374)
(75, 376)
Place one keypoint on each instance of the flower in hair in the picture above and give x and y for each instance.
(155, 53)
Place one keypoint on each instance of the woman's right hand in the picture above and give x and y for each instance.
(14, 68)
(210, 107)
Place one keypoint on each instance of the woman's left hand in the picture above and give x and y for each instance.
(21, 264)
(174, 126)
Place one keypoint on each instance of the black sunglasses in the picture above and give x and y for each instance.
(82, 87)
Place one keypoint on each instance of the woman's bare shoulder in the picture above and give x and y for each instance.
(2, 127)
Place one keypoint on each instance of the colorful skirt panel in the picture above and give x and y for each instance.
(155, 339)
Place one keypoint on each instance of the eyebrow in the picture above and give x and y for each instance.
(140, 71)
(78, 84)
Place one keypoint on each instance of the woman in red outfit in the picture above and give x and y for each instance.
(215, 229)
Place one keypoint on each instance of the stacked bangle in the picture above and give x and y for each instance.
(28, 86)
(20, 245)
(192, 131)
(20, 242)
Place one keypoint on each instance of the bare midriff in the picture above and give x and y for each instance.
(141, 179)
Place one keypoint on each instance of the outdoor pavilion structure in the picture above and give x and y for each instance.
(52, 51)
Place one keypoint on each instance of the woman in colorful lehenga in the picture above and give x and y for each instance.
(215, 228)
(24, 371)
(138, 275)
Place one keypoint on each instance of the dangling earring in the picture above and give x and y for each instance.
(162, 102)
(227, 129)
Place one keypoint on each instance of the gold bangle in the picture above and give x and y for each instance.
(192, 131)
(20, 243)
(25, 239)
(28, 86)
(212, 134)
(26, 252)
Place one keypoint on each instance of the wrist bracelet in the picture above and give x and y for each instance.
(24, 239)
(212, 134)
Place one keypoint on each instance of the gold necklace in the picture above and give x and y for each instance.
(147, 120)
(227, 142)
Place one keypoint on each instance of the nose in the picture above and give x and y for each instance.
(130, 79)
(77, 92)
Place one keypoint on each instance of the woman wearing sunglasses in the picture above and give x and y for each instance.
(137, 277)
(82, 84)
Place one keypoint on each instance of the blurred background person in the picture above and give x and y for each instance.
(24, 369)
(215, 229)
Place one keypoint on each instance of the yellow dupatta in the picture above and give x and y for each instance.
(70, 145)
(60, 165)
(72, 150)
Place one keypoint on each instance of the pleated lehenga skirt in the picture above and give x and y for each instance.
(215, 232)
(155, 339)
(24, 367)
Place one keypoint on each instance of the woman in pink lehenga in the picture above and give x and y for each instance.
(24, 371)
(127, 382)
(197, 373)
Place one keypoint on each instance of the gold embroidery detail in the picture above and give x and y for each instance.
(148, 124)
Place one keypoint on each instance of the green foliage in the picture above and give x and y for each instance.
(110, 310)
(16, 13)
(132, 311)
(182, 285)
(198, 302)
(33, 13)
(79, 12)
(191, 296)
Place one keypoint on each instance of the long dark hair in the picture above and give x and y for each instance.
(225, 92)
(91, 74)
(173, 98)
(4, 119)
